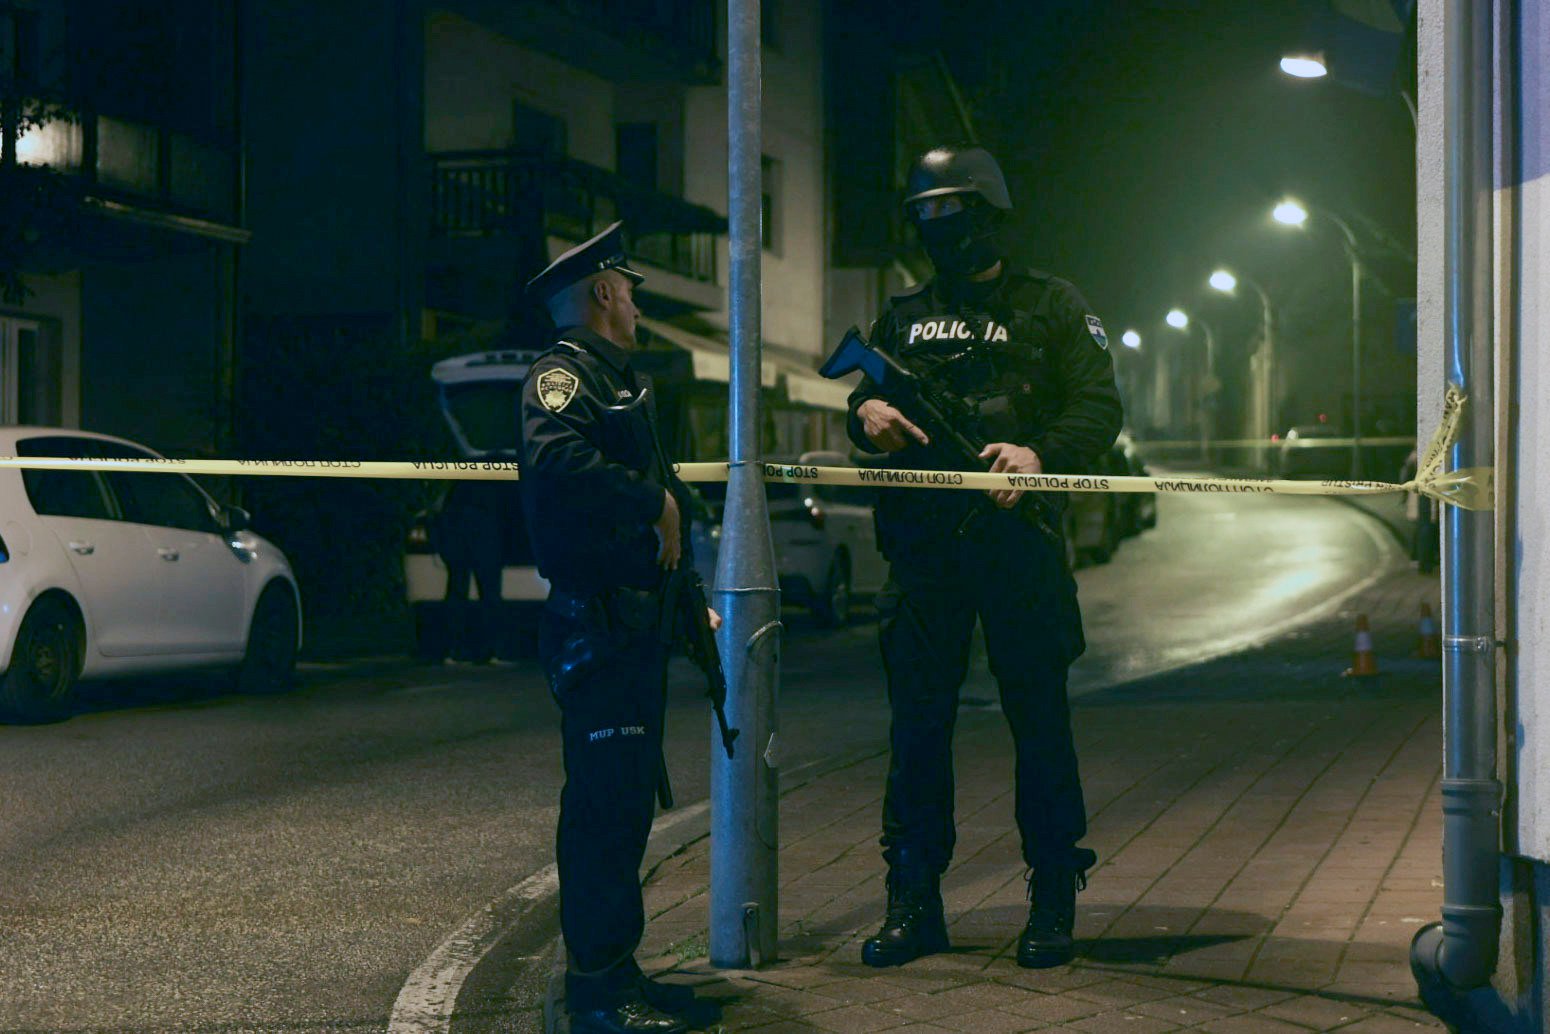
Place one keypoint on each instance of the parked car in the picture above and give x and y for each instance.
(1097, 522)
(129, 572)
(478, 395)
(1138, 510)
(1303, 453)
(825, 541)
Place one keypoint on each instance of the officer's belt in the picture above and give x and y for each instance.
(631, 608)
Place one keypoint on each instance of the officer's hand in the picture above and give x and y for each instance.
(713, 618)
(1010, 459)
(886, 427)
(669, 547)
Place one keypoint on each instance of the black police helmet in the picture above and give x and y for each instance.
(957, 170)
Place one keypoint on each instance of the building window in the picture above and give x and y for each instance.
(19, 47)
(769, 24)
(636, 147)
(537, 132)
(29, 374)
(770, 208)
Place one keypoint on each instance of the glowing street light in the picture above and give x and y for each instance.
(1131, 339)
(1290, 213)
(1304, 66)
(1224, 281)
(1177, 319)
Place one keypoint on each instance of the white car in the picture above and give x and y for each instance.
(825, 540)
(115, 573)
(479, 396)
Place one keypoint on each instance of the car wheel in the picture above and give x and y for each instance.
(833, 607)
(40, 684)
(269, 663)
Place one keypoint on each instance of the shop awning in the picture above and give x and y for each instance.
(807, 388)
(713, 362)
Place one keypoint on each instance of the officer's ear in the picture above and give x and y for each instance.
(602, 291)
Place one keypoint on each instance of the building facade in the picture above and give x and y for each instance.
(121, 201)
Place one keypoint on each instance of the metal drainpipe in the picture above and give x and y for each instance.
(1459, 954)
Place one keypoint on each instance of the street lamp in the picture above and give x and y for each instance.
(1224, 281)
(1290, 213)
(1131, 339)
(1313, 66)
(1179, 320)
(1304, 66)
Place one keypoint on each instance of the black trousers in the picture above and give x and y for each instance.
(1016, 585)
(611, 727)
(472, 552)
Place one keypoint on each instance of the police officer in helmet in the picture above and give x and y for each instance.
(1026, 353)
(607, 519)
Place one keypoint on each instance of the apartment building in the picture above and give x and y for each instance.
(120, 217)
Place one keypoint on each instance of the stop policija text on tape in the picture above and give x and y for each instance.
(1469, 488)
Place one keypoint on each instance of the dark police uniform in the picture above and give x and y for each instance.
(593, 479)
(1026, 352)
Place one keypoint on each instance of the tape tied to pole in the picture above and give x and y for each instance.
(1471, 488)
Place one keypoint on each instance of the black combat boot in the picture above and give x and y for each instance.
(914, 925)
(1046, 940)
(629, 1013)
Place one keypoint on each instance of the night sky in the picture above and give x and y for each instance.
(1147, 141)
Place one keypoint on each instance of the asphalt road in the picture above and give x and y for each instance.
(183, 860)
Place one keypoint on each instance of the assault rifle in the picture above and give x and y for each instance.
(944, 417)
(686, 623)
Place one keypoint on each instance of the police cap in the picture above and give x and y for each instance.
(605, 251)
(957, 170)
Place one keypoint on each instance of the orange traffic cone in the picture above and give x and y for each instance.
(1363, 663)
(1430, 646)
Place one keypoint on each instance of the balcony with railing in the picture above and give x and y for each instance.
(486, 194)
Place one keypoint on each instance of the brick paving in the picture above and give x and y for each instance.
(1269, 840)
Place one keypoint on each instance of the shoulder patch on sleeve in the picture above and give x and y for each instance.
(556, 387)
(1095, 328)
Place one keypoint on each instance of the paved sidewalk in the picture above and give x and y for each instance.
(1268, 837)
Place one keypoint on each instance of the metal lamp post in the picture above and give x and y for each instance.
(1291, 213)
(743, 788)
(1179, 320)
(1227, 282)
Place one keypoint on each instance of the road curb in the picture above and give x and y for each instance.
(662, 847)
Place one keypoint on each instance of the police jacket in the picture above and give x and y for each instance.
(593, 471)
(1027, 354)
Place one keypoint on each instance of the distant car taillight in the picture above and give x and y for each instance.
(418, 540)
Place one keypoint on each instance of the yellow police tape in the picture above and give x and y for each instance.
(1470, 489)
(1269, 443)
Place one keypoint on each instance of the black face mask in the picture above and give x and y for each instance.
(962, 243)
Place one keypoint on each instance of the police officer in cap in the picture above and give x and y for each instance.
(607, 519)
(1027, 354)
